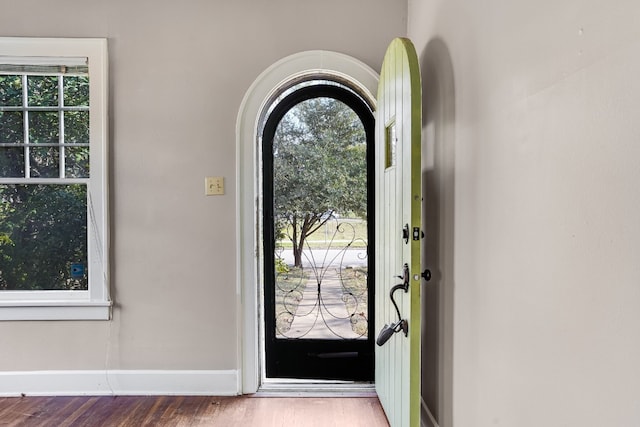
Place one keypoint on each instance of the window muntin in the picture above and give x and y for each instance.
(44, 125)
(53, 186)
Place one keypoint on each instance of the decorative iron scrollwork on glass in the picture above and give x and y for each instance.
(327, 297)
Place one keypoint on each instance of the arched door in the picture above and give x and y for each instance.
(398, 239)
(317, 153)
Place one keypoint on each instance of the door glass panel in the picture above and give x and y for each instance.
(320, 222)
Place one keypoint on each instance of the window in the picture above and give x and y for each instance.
(53, 179)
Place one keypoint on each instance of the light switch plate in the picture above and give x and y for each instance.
(214, 185)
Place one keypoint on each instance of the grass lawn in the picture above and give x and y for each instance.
(341, 231)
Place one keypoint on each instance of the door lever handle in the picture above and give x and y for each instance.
(388, 330)
(402, 324)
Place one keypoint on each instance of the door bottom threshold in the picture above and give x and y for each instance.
(315, 388)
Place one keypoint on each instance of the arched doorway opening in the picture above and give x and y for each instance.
(266, 89)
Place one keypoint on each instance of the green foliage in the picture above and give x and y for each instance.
(320, 167)
(42, 90)
(43, 230)
(281, 266)
(11, 90)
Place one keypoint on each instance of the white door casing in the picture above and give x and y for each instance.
(271, 83)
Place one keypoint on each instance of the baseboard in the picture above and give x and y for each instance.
(426, 417)
(118, 383)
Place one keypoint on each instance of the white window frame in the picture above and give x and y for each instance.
(94, 303)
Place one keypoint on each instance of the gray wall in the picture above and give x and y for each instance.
(179, 71)
(532, 118)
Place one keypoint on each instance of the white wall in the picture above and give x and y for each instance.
(179, 71)
(538, 177)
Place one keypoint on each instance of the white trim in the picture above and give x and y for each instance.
(118, 383)
(44, 60)
(426, 417)
(277, 77)
(58, 310)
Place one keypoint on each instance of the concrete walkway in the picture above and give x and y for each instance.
(322, 316)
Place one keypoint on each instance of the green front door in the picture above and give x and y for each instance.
(398, 234)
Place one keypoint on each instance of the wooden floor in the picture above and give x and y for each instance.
(191, 411)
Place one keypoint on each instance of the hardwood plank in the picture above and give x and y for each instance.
(110, 411)
(24, 412)
(156, 411)
(7, 407)
(61, 408)
(85, 408)
(139, 411)
(191, 411)
(11, 409)
(172, 405)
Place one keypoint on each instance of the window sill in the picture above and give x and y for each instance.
(55, 310)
